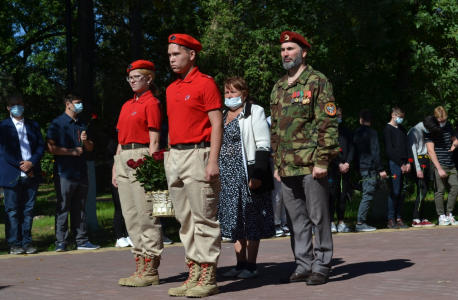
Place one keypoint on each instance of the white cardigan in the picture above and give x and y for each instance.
(254, 131)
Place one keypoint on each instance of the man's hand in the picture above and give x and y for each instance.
(211, 171)
(319, 172)
(84, 136)
(254, 183)
(420, 174)
(408, 166)
(383, 174)
(76, 151)
(452, 148)
(344, 168)
(403, 169)
(442, 173)
(114, 181)
(276, 176)
(25, 166)
(30, 174)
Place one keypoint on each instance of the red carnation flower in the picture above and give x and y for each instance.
(158, 156)
(340, 149)
(94, 116)
(144, 158)
(139, 162)
(43, 173)
(131, 163)
(410, 160)
(394, 176)
(423, 166)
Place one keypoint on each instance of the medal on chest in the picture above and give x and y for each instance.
(303, 97)
(307, 100)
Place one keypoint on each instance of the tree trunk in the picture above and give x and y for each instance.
(85, 85)
(85, 54)
(135, 29)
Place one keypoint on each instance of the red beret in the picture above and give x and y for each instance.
(289, 36)
(141, 64)
(185, 40)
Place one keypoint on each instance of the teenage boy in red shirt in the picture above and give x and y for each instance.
(195, 134)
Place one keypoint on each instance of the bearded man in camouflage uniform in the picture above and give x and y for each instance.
(304, 137)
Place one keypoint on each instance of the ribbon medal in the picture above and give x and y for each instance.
(307, 100)
(292, 97)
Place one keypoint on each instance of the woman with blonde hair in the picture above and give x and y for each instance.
(245, 206)
(139, 125)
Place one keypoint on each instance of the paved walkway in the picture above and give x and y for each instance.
(408, 264)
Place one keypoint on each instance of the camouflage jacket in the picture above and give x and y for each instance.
(304, 130)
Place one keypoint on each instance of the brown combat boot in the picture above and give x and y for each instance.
(207, 283)
(193, 279)
(149, 276)
(140, 261)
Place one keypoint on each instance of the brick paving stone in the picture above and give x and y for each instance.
(396, 264)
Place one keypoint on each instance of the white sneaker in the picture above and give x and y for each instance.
(285, 229)
(333, 228)
(232, 273)
(452, 220)
(444, 221)
(278, 231)
(129, 241)
(122, 242)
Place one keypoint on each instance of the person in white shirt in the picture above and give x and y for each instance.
(21, 149)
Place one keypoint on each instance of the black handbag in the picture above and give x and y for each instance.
(261, 170)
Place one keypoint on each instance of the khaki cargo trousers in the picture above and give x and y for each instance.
(196, 203)
(144, 230)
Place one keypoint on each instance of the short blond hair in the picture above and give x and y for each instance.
(440, 112)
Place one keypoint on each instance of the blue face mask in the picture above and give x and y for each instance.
(78, 108)
(17, 110)
(399, 120)
(233, 103)
(339, 120)
(442, 125)
(426, 130)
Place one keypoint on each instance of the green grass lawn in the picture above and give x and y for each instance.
(43, 229)
(43, 236)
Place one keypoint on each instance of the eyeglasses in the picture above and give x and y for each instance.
(134, 78)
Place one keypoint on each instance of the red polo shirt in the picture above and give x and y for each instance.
(136, 117)
(188, 102)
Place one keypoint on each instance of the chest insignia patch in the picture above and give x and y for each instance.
(330, 109)
(187, 97)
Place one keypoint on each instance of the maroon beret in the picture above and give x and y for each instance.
(185, 40)
(289, 36)
(141, 64)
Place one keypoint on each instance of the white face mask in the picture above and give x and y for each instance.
(399, 120)
(78, 107)
(233, 103)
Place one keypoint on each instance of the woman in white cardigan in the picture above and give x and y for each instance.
(245, 203)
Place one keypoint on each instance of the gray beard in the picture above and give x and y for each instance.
(292, 64)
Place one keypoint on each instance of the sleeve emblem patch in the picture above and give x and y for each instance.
(330, 109)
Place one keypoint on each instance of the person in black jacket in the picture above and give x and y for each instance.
(367, 164)
(400, 159)
(339, 177)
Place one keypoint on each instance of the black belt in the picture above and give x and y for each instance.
(190, 146)
(425, 156)
(134, 146)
